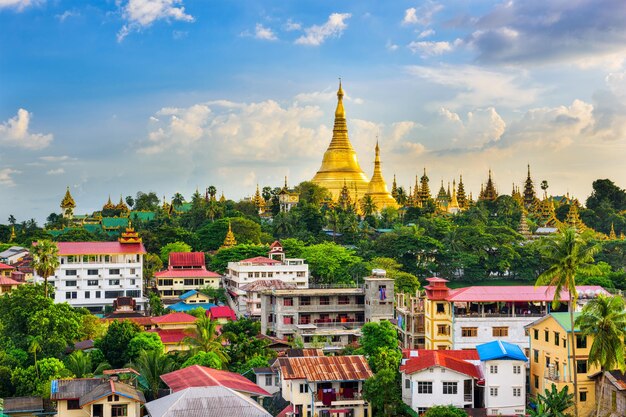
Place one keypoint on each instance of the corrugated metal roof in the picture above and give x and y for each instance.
(99, 248)
(201, 376)
(268, 284)
(433, 358)
(187, 259)
(519, 293)
(325, 368)
(299, 353)
(187, 273)
(25, 404)
(111, 387)
(72, 389)
(174, 318)
(205, 402)
(500, 350)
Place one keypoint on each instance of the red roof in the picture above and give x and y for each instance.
(432, 358)
(172, 318)
(186, 273)
(99, 248)
(276, 244)
(462, 354)
(172, 336)
(521, 293)
(8, 281)
(260, 260)
(201, 376)
(325, 368)
(286, 410)
(221, 312)
(187, 259)
(5, 266)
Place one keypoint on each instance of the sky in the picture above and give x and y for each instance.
(119, 96)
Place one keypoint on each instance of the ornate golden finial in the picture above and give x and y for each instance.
(229, 240)
(12, 234)
(222, 198)
(612, 234)
(340, 112)
(109, 205)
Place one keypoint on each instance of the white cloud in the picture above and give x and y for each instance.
(14, 132)
(422, 15)
(425, 33)
(410, 16)
(317, 34)
(391, 46)
(61, 158)
(430, 48)
(142, 13)
(57, 171)
(19, 5)
(6, 176)
(290, 26)
(261, 32)
(67, 14)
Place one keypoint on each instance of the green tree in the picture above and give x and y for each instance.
(173, 247)
(30, 382)
(143, 341)
(368, 206)
(567, 254)
(155, 304)
(244, 345)
(219, 261)
(178, 199)
(445, 411)
(330, 263)
(115, 342)
(379, 344)
(151, 365)
(79, 364)
(146, 202)
(604, 319)
(381, 392)
(554, 403)
(208, 359)
(211, 235)
(45, 260)
(151, 263)
(206, 338)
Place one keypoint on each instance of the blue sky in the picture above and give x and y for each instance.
(113, 97)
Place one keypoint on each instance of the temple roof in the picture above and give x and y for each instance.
(68, 200)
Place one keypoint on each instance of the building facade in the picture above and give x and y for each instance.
(185, 272)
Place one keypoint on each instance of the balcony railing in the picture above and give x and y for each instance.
(355, 396)
(517, 315)
(553, 375)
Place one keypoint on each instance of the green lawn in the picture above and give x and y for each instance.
(489, 283)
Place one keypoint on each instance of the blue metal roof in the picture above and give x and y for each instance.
(188, 294)
(186, 307)
(500, 350)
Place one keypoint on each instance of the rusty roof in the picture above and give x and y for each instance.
(325, 368)
(23, 404)
(72, 389)
(111, 387)
(298, 353)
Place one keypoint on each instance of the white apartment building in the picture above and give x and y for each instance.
(504, 369)
(93, 274)
(273, 268)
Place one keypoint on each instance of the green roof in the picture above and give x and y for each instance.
(142, 215)
(114, 222)
(183, 208)
(93, 228)
(564, 322)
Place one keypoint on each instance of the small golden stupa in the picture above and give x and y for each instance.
(377, 188)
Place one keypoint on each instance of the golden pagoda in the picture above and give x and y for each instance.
(12, 237)
(109, 205)
(129, 236)
(424, 189)
(573, 218)
(222, 198)
(258, 200)
(461, 197)
(523, 228)
(377, 188)
(530, 197)
(340, 163)
(489, 193)
(229, 240)
(612, 234)
(547, 214)
(68, 204)
(454, 206)
(122, 206)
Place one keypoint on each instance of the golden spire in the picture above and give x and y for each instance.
(122, 206)
(340, 160)
(461, 198)
(612, 235)
(394, 187)
(129, 236)
(453, 207)
(229, 240)
(424, 189)
(377, 188)
(13, 234)
(573, 218)
(68, 200)
(109, 205)
(222, 198)
(258, 200)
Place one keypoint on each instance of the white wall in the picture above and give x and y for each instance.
(437, 376)
(517, 335)
(505, 380)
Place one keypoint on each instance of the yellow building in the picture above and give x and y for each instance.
(551, 341)
(437, 315)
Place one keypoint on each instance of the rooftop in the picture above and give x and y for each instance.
(259, 260)
(221, 312)
(519, 293)
(268, 284)
(325, 368)
(500, 350)
(99, 248)
(171, 336)
(186, 259)
(174, 318)
(181, 306)
(186, 273)
(201, 376)
(440, 358)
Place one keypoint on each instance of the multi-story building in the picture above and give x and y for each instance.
(503, 367)
(466, 317)
(273, 267)
(330, 318)
(551, 340)
(186, 271)
(410, 320)
(94, 274)
(249, 303)
(325, 386)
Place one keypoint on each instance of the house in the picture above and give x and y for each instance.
(190, 300)
(95, 397)
(221, 314)
(22, 406)
(206, 402)
(440, 377)
(268, 379)
(325, 386)
(13, 254)
(503, 366)
(551, 340)
(93, 274)
(173, 328)
(330, 318)
(201, 376)
(8, 284)
(6, 270)
(613, 399)
(249, 304)
(186, 271)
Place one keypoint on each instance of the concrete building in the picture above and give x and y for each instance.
(13, 254)
(330, 318)
(249, 303)
(94, 274)
(185, 272)
(410, 320)
(325, 386)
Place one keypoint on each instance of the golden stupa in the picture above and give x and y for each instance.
(377, 188)
(340, 164)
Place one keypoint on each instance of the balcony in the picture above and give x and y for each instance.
(553, 375)
(335, 397)
(314, 308)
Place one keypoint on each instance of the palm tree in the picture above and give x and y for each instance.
(212, 191)
(151, 364)
(332, 220)
(178, 200)
(553, 403)
(79, 364)
(45, 260)
(567, 254)
(206, 338)
(604, 318)
(368, 206)
(283, 225)
(34, 347)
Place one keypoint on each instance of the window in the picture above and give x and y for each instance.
(442, 329)
(188, 281)
(166, 282)
(133, 293)
(343, 300)
(87, 294)
(493, 369)
(421, 410)
(582, 395)
(114, 271)
(304, 388)
(500, 332)
(300, 274)
(70, 295)
(449, 387)
(324, 301)
(536, 355)
(581, 366)
(258, 305)
(536, 334)
(517, 392)
(288, 320)
(132, 271)
(113, 294)
(517, 369)
(581, 342)
(268, 380)
(469, 331)
(70, 272)
(424, 387)
(70, 283)
(407, 383)
(536, 381)
(305, 301)
(114, 282)
(493, 391)
(288, 301)
(98, 293)
(132, 282)
(92, 282)
(113, 398)
(92, 272)
(441, 308)
(546, 335)
(304, 319)
(557, 338)
(73, 404)
(119, 410)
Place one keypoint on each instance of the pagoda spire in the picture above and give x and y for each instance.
(377, 188)
(424, 188)
(453, 207)
(530, 197)
(222, 198)
(612, 234)
(109, 205)
(229, 240)
(573, 218)
(258, 200)
(394, 187)
(522, 228)
(489, 192)
(461, 197)
(12, 237)
(68, 204)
